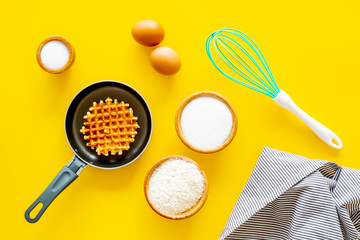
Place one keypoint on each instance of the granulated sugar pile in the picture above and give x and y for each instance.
(206, 123)
(54, 55)
(175, 186)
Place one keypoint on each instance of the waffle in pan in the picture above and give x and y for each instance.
(110, 127)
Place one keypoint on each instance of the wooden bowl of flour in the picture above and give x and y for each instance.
(188, 213)
(217, 114)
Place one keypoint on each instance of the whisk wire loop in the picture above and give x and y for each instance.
(226, 46)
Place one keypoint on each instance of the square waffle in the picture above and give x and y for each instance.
(110, 127)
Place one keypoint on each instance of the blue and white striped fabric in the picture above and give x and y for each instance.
(292, 197)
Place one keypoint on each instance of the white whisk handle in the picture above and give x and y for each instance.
(284, 100)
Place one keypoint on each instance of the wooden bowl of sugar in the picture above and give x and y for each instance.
(206, 122)
(176, 187)
(55, 54)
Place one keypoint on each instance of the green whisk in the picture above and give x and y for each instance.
(242, 57)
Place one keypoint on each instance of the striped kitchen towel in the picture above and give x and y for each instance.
(292, 197)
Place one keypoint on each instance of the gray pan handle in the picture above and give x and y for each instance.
(66, 176)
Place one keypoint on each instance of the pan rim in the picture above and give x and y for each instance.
(147, 142)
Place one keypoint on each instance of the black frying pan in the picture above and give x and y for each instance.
(84, 155)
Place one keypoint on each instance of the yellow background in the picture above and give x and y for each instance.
(312, 48)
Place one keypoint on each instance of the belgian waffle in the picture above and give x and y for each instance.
(110, 127)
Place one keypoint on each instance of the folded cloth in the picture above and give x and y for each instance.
(292, 197)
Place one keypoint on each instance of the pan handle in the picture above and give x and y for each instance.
(63, 179)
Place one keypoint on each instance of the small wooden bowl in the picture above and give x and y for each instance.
(205, 94)
(71, 54)
(189, 212)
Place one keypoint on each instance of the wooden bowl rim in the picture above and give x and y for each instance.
(202, 94)
(71, 54)
(189, 212)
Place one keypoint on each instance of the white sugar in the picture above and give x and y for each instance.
(206, 123)
(175, 186)
(54, 55)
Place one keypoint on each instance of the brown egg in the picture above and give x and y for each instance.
(148, 33)
(165, 60)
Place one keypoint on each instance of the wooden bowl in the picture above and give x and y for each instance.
(205, 94)
(189, 212)
(71, 54)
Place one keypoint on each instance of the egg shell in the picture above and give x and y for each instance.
(148, 33)
(165, 60)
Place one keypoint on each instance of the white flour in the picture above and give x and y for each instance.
(206, 122)
(175, 186)
(54, 55)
